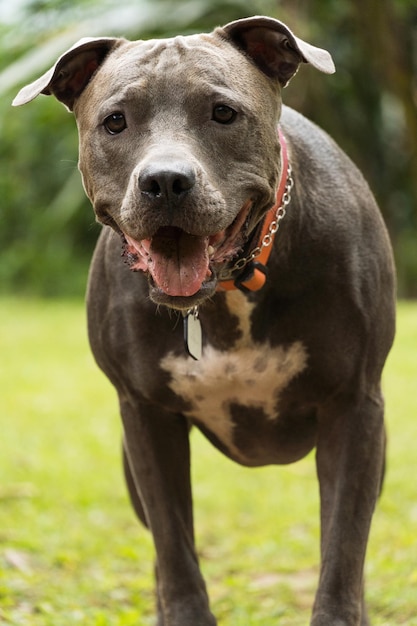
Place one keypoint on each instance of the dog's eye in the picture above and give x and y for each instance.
(115, 123)
(223, 114)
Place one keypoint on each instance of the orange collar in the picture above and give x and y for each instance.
(253, 270)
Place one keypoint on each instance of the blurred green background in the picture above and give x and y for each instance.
(47, 228)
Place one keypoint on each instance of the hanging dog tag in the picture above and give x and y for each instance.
(192, 333)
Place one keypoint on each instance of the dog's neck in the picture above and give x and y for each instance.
(248, 273)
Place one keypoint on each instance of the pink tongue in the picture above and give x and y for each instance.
(178, 262)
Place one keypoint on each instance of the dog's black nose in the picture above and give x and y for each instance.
(170, 182)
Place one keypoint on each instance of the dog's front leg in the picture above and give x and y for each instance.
(157, 446)
(350, 462)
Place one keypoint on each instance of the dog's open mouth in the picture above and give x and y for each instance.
(180, 263)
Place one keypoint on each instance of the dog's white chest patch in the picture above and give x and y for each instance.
(249, 374)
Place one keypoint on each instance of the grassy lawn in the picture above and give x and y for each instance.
(71, 551)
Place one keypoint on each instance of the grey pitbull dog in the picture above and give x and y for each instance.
(181, 158)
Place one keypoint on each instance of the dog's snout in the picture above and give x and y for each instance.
(170, 182)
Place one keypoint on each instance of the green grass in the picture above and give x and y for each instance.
(71, 551)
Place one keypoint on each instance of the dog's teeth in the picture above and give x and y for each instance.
(210, 250)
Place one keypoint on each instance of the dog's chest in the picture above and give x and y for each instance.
(250, 376)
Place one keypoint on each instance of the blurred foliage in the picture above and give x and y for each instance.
(47, 228)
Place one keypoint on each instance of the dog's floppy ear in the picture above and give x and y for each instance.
(274, 48)
(71, 73)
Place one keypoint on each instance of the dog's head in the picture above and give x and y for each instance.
(179, 151)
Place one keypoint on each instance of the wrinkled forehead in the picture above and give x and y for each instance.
(179, 61)
(162, 54)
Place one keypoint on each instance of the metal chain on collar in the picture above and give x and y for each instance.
(268, 238)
